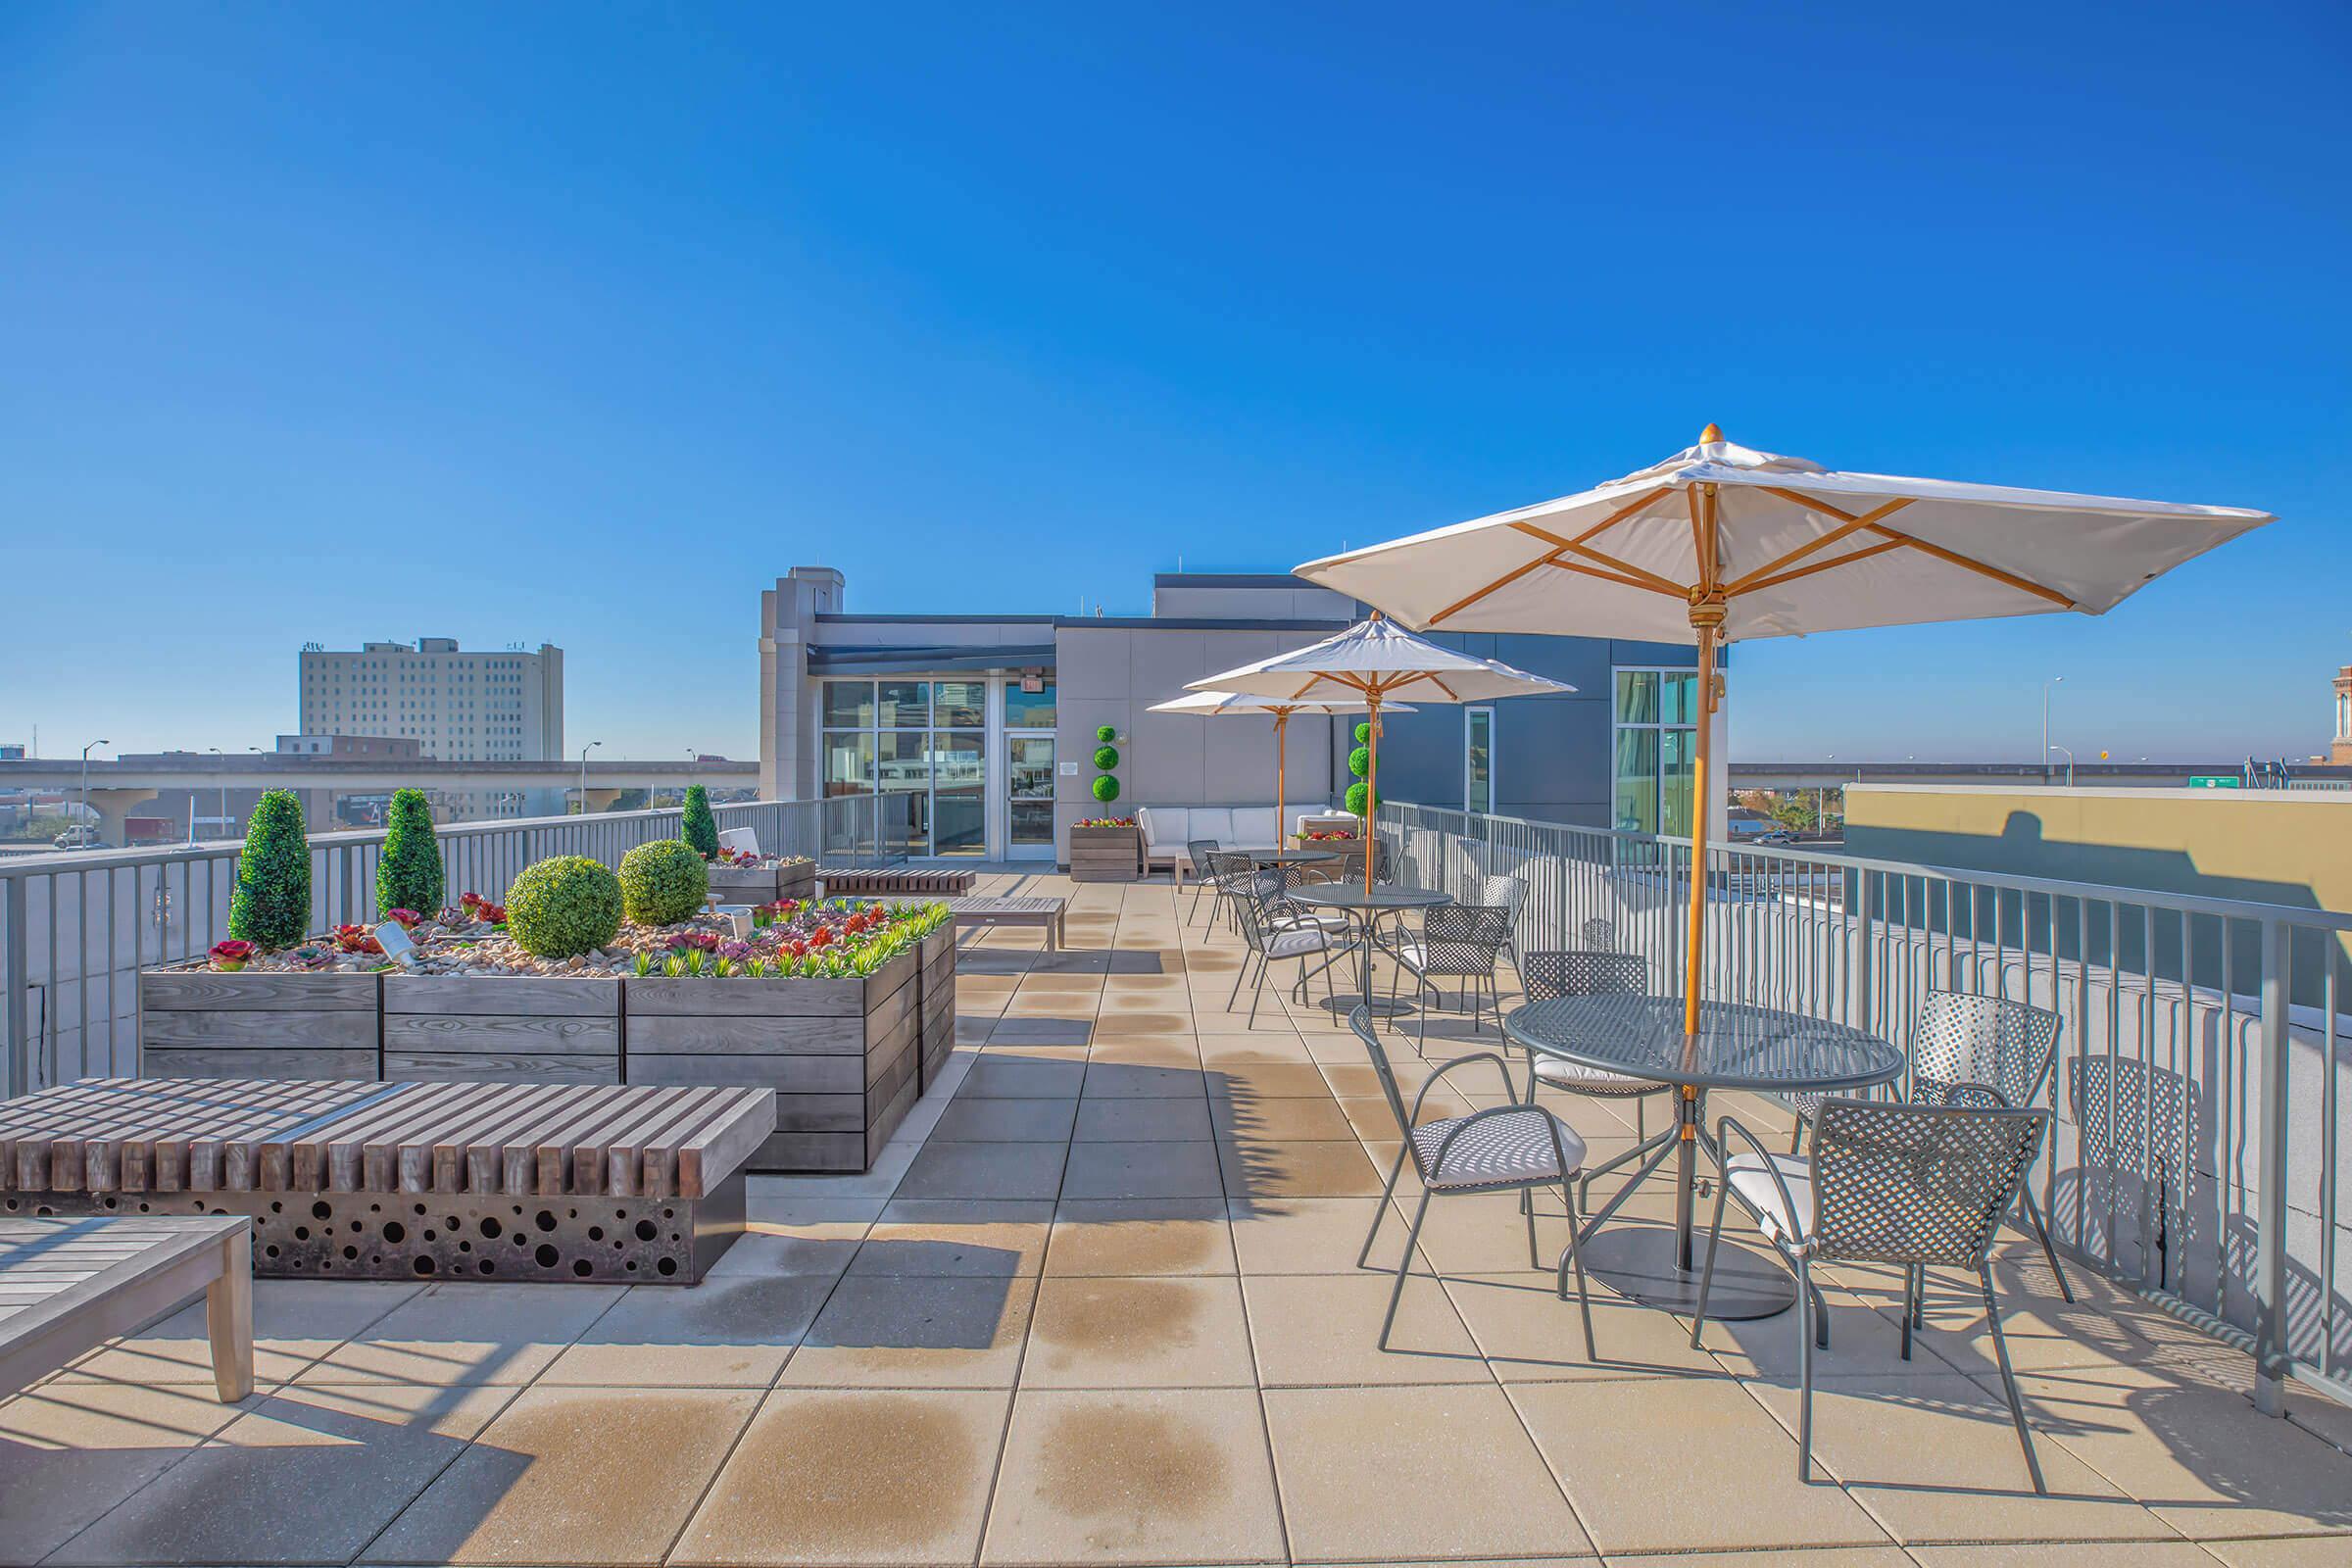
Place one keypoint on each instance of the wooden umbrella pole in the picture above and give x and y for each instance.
(1282, 719)
(1694, 952)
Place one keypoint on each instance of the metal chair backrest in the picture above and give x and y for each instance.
(1459, 936)
(1600, 935)
(1200, 849)
(1917, 1184)
(1229, 867)
(1360, 1020)
(2007, 1046)
(1575, 972)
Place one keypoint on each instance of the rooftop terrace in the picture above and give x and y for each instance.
(1100, 1303)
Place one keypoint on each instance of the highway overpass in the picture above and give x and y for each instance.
(1834, 774)
(119, 789)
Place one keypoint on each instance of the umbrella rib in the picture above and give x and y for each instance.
(1503, 581)
(1770, 569)
(1967, 563)
(1751, 583)
(1648, 579)
(1609, 576)
(1553, 558)
(1431, 676)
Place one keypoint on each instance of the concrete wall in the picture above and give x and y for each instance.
(1111, 674)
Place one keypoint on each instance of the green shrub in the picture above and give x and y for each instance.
(410, 875)
(701, 830)
(1106, 732)
(1107, 789)
(564, 907)
(662, 882)
(1364, 734)
(1106, 758)
(270, 906)
(1356, 797)
(1359, 761)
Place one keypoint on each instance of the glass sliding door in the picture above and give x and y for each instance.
(1029, 718)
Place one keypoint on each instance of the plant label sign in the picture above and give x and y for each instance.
(1069, 770)
(393, 938)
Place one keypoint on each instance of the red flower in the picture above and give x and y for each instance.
(821, 937)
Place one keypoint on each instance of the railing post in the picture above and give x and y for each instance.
(2270, 1350)
(1865, 910)
(12, 976)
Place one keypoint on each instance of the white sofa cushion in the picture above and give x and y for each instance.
(1213, 822)
(1166, 828)
(1255, 827)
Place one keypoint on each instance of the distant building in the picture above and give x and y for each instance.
(10, 752)
(348, 745)
(458, 706)
(2341, 750)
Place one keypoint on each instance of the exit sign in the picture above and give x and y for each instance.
(2213, 781)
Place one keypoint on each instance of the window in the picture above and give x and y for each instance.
(923, 739)
(1028, 709)
(1478, 759)
(1656, 743)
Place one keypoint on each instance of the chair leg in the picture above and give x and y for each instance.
(1641, 1130)
(1238, 975)
(1527, 1207)
(2034, 1212)
(1381, 1213)
(1707, 1275)
(1575, 1257)
(1796, 1135)
(1259, 994)
(1910, 1296)
(1804, 1373)
(1404, 1266)
(2000, 1351)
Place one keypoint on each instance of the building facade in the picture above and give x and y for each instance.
(2340, 748)
(458, 707)
(988, 722)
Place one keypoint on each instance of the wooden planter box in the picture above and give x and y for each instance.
(840, 1054)
(737, 884)
(500, 1027)
(797, 880)
(1105, 853)
(196, 1022)
(935, 1005)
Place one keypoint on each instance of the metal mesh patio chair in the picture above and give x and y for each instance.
(1503, 1149)
(1457, 942)
(1971, 1049)
(1198, 851)
(1919, 1186)
(1572, 972)
(1269, 939)
(1600, 935)
(1229, 872)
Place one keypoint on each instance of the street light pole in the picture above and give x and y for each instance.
(584, 751)
(2054, 680)
(87, 833)
(2069, 763)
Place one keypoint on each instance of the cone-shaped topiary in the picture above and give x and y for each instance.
(662, 882)
(410, 875)
(701, 829)
(271, 904)
(1107, 789)
(564, 907)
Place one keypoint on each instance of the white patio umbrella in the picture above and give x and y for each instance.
(1210, 705)
(1369, 662)
(1720, 543)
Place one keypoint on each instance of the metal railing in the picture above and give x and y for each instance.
(76, 928)
(2198, 1144)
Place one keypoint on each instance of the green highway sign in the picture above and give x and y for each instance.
(2213, 781)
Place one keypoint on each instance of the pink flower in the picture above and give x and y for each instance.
(232, 955)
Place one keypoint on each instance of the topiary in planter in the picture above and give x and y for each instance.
(410, 875)
(1357, 792)
(270, 906)
(564, 907)
(662, 882)
(1107, 789)
(1106, 758)
(701, 829)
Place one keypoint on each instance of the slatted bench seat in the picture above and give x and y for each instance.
(893, 881)
(70, 1285)
(1038, 910)
(359, 1180)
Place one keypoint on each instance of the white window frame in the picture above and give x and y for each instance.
(1658, 725)
(1468, 722)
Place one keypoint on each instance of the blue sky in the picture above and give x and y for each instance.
(578, 324)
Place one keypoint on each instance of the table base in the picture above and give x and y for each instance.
(1636, 1261)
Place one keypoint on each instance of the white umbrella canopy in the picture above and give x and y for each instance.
(1212, 705)
(1722, 542)
(1368, 663)
(1796, 548)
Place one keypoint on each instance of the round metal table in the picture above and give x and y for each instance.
(1300, 856)
(1364, 909)
(1738, 1046)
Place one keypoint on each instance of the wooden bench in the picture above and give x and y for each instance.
(357, 1180)
(1040, 911)
(894, 881)
(69, 1286)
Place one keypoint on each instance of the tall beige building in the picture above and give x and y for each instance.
(459, 706)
